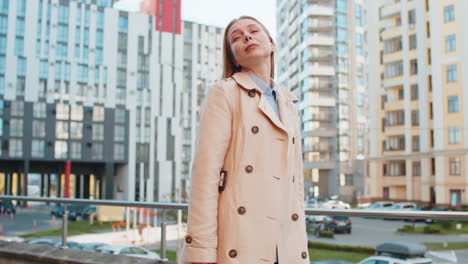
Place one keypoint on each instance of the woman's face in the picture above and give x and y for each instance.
(249, 43)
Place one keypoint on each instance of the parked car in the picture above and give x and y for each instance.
(338, 224)
(380, 205)
(332, 262)
(7, 207)
(41, 241)
(57, 211)
(335, 204)
(91, 246)
(398, 253)
(133, 251)
(88, 212)
(407, 206)
(312, 203)
(70, 244)
(78, 212)
(314, 219)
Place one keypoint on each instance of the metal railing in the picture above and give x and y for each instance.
(441, 215)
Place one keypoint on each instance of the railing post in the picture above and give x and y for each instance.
(163, 237)
(64, 226)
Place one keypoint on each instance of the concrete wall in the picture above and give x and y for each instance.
(21, 253)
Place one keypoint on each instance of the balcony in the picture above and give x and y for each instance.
(390, 10)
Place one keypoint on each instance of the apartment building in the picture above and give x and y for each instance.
(321, 58)
(417, 140)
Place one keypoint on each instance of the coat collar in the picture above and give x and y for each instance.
(243, 79)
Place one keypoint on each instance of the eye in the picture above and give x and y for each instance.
(254, 31)
(236, 38)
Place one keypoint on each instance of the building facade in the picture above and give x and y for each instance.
(321, 58)
(85, 83)
(417, 60)
(203, 46)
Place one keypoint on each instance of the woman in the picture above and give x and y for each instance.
(247, 203)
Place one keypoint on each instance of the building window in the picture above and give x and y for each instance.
(39, 130)
(76, 130)
(395, 118)
(415, 117)
(452, 73)
(16, 127)
(98, 132)
(395, 168)
(455, 166)
(414, 66)
(449, 13)
(393, 69)
(453, 104)
(17, 108)
(39, 110)
(38, 148)
(454, 135)
(414, 92)
(61, 130)
(119, 152)
(415, 143)
(450, 43)
(77, 112)
(75, 151)
(412, 17)
(63, 111)
(16, 148)
(98, 113)
(416, 168)
(119, 133)
(412, 42)
(396, 143)
(97, 151)
(120, 115)
(61, 149)
(393, 45)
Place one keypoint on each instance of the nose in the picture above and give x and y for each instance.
(247, 37)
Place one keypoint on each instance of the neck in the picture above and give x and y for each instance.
(262, 72)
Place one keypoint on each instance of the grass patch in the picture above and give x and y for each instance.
(450, 245)
(440, 228)
(346, 248)
(327, 254)
(170, 255)
(74, 228)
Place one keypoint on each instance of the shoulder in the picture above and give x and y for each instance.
(225, 86)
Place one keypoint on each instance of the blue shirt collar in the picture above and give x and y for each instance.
(264, 88)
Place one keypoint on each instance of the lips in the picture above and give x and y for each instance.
(251, 46)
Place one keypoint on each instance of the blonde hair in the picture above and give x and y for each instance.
(229, 66)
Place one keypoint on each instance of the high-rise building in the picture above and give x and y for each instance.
(417, 57)
(203, 67)
(85, 83)
(321, 59)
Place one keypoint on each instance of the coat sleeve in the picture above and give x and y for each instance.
(214, 135)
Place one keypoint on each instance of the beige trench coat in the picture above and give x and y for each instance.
(262, 205)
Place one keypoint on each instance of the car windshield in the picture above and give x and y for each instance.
(374, 206)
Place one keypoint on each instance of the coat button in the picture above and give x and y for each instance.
(304, 255)
(252, 93)
(232, 253)
(241, 210)
(293, 140)
(294, 217)
(249, 169)
(188, 239)
(255, 129)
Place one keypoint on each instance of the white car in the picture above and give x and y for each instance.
(133, 251)
(335, 204)
(398, 253)
(404, 206)
(381, 205)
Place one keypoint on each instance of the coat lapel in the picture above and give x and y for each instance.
(244, 81)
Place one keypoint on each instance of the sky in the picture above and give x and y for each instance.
(220, 12)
